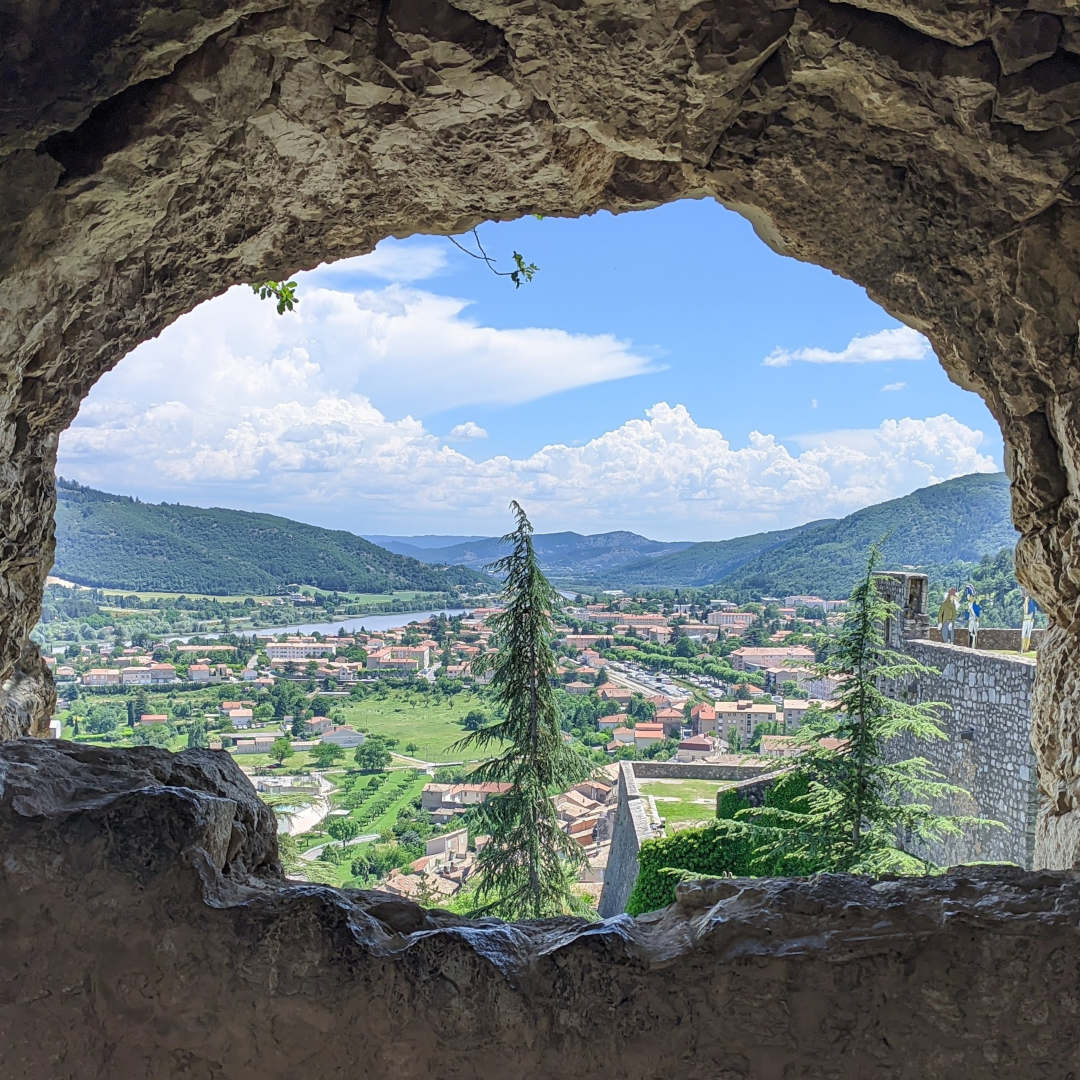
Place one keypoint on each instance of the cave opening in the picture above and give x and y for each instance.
(928, 154)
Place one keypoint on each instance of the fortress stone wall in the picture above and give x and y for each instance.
(633, 826)
(631, 829)
(987, 718)
(988, 751)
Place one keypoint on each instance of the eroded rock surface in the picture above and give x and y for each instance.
(147, 931)
(927, 150)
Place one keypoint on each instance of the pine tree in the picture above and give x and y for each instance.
(861, 807)
(526, 870)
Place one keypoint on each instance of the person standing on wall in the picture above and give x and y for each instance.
(1030, 608)
(974, 610)
(946, 617)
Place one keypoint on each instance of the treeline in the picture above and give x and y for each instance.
(114, 541)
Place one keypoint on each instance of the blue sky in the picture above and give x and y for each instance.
(665, 372)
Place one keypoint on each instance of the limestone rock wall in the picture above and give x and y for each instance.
(154, 152)
(148, 932)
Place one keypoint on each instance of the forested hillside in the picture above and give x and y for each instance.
(117, 541)
(708, 562)
(934, 529)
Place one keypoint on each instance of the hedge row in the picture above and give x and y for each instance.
(726, 847)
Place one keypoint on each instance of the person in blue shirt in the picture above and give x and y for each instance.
(974, 610)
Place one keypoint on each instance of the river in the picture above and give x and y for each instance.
(389, 621)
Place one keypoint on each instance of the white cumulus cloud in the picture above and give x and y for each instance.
(406, 349)
(468, 430)
(901, 343)
(892, 387)
(338, 460)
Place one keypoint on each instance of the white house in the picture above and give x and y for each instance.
(345, 737)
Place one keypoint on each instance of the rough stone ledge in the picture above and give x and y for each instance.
(147, 931)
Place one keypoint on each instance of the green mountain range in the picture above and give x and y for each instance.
(932, 529)
(943, 529)
(115, 541)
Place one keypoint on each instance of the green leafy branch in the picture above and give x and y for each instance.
(521, 275)
(284, 292)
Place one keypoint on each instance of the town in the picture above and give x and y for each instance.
(351, 737)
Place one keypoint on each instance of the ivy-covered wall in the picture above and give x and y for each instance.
(724, 849)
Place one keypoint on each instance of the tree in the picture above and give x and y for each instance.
(860, 806)
(372, 755)
(100, 720)
(411, 748)
(280, 749)
(325, 754)
(474, 719)
(683, 647)
(196, 736)
(343, 829)
(527, 867)
(151, 735)
(142, 703)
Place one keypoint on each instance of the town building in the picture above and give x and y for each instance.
(345, 737)
(780, 746)
(734, 621)
(162, 674)
(756, 657)
(742, 717)
(101, 677)
(702, 717)
(399, 658)
(695, 748)
(646, 735)
(609, 723)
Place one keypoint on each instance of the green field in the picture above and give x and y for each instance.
(410, 718)
(678, 800)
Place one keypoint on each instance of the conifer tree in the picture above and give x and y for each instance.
(526, 870)
(861, 808)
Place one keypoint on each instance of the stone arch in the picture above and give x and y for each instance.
(153, 153)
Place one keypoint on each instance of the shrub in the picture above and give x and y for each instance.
(727, 846)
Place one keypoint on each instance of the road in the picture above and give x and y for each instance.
(313, 853)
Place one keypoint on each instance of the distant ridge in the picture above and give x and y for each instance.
(116, 541)
(407, 545)
(934, 528)
(563, 555)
